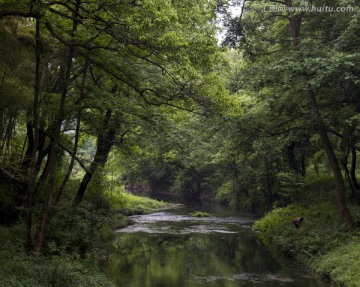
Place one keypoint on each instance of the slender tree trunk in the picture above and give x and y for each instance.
(347, 176)
(333, 161)
(344, 162)
(48, 200)
(316, 168)
(76, 138)
(42, 179)
(104, 143)
(354, 180)
(42, 153)
(7, 134)
(21, 191)
(33, 138)
(295, 24)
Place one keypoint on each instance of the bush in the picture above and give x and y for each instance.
(28, 271)
(84, 230)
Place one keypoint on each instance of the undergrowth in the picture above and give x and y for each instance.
(78, 241)
(29, 271)
(323, 242)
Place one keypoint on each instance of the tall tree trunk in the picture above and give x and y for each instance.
(33, 138)
(295, 24)
(20, 196)
(104, 143)
(76, 137)
(55, 141)
(42, 179)
(333, 161)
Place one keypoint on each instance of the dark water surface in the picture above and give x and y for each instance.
(172, 249)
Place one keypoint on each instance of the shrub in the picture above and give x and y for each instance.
(200, 214)
(85, 229)
(28, 271)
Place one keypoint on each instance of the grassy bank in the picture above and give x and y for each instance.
(128, 204)
(77, 242)
(322, 243)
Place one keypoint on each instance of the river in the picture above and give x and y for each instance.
(170, 248)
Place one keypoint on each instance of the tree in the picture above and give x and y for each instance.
(108, 61)
(307, 66)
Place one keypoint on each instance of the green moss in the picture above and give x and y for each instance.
(200, 214)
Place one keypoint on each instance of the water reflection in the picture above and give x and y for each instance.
(176, 250)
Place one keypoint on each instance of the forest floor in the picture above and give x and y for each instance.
(323, 242)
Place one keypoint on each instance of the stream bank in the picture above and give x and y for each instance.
(323, 243)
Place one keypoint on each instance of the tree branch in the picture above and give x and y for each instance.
(75, 157)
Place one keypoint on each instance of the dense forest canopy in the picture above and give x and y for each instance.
(141, 90)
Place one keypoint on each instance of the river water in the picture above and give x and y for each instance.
(170, 248)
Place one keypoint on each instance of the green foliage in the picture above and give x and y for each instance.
(249, 141)
(28, 271)
(79, 239)
(296, 189)
(342, 264)
(200, 214)
(10, 244)
(320, 231)
(21, 270)
(317, 188)
(225, 192)
(322, 242)
(85, 230)
(129, 204)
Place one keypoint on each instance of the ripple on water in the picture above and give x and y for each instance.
(206, 229)
(248, 277)
(165, 222)
(169, 217)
